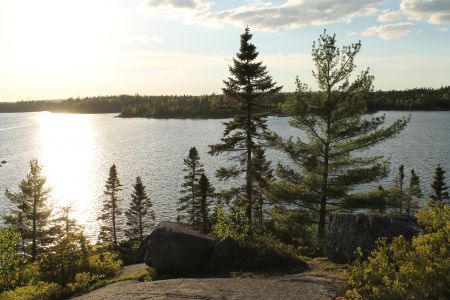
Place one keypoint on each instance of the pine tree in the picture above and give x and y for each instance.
(140, 215)
(414, 193)
(440, 195)
(32, 216)
(333, 118)
(247, 86)
(190, 200)
(263, 176)
(400, 177)
(61, 261)
(110, 211)
(206, 192)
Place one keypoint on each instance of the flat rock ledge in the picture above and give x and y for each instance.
(348, 231)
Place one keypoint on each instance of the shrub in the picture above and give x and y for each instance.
(9, 259)
(83, 281)
(104, 263)
(404, 270)
(38, 291)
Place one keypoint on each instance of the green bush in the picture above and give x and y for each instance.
(104, 263)
(404, 270)
(38, 291)
(9, 259)
(83, 281)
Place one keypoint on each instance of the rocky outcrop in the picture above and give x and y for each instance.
(176, 249)
(347, 232)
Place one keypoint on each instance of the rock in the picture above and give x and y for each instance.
(176, 249)
(348, 231)
(226, 253)
(3, 161)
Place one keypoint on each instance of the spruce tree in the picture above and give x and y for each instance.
(190, 200)
(263, 176)
(32, 214)
(327, 168)
(140, 215)
(414, 193)
(110, 211)
(440, 195)
(247, 86)
(206, 192)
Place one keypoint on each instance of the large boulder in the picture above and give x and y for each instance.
(347, 232)
(176, 249)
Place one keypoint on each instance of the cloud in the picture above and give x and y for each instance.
(389, 31)
(137, 39)
(268, 15)
(442, 29)
(434, 11)
(389, 15)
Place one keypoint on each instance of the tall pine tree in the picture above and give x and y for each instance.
(32, 214)
(190, 200)
(414, 193)
(206, 192)
(440, 194)
(333, 119)
(247, 86)
(263, 174)
(140, 215)
(110, 211)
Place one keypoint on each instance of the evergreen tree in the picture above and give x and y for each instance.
(333, 119)
(190, 200)
(32, 214)
(140, 215)
(206, 192)
(400, 177)
(61, 261)
(263, 176)
(440, 195)
(110, 211)
(247, 86)
(414, 193)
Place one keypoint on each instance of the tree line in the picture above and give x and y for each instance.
(216, 106)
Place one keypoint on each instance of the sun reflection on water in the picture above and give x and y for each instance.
(67, 148)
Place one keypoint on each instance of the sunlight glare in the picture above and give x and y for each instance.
(67, 145)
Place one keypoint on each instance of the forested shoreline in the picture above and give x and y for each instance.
(217, 106)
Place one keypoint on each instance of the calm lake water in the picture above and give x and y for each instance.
(76, 152)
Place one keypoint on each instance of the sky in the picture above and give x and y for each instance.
(56, 49)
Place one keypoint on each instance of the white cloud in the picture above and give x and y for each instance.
(442, 29)
(434, 11)
(137, 39)
(389, 15)
(389, 31)
(268, 15)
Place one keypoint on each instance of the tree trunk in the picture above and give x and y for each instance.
(114, 218)
(33, 234)
(249, 181)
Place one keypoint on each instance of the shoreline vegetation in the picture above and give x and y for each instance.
(218, 106)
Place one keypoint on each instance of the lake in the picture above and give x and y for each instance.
(76, 152)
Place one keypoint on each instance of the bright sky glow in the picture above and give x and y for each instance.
(54, 49)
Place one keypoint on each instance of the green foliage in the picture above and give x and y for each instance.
(140, 215)
(248, 84)
(414, 193)
(31, 217)
(327, 167)
(189, 203)
(440, 194)
(83, 281)
(35, 291)
(10, 260)
(404, 270)
(294, 227)
(105, 263)
(231, 224)
(206, 192)
(110, 211)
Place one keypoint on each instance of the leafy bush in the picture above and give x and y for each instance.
(9, 259)
(231, 224)
(38, 291)
(404, 270)
(104, 263)
(83, 281)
